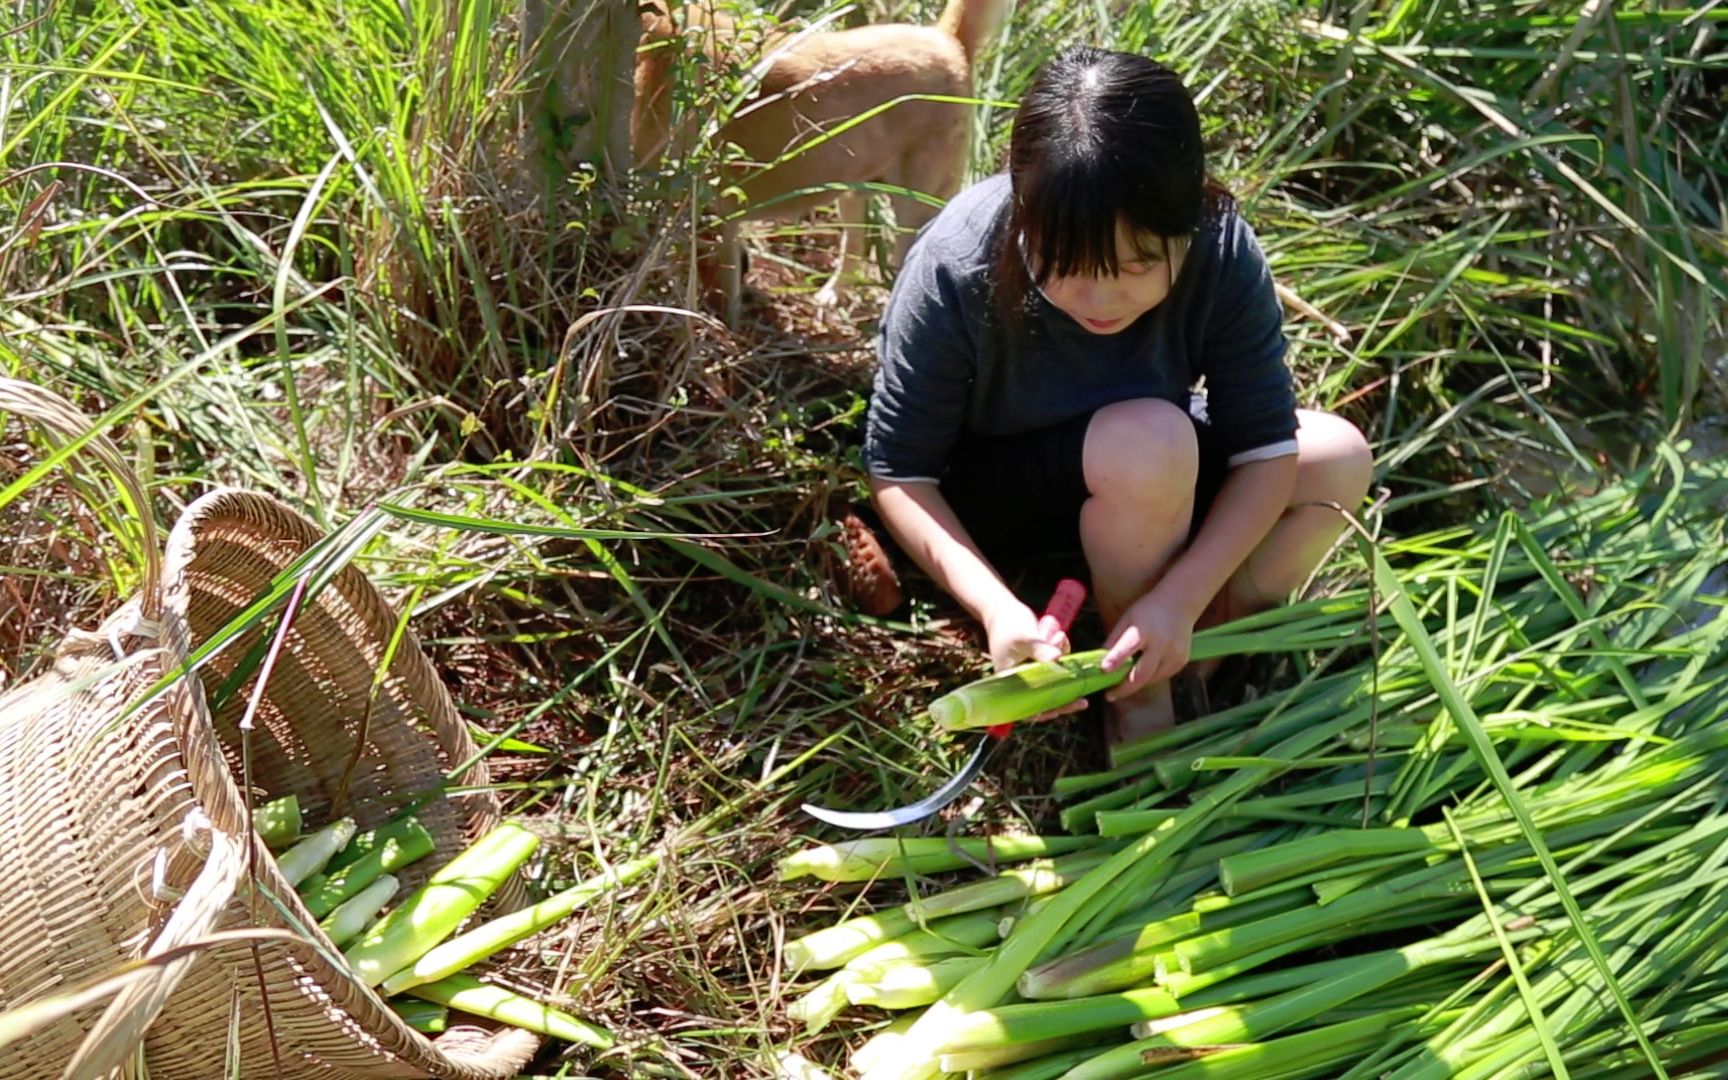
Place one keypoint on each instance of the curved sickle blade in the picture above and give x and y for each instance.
(918, 811)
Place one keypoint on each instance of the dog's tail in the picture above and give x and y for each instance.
(969, 22)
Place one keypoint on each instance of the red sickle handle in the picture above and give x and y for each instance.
(1064, 606)
(1058, 615)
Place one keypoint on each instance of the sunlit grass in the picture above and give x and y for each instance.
(297, 248)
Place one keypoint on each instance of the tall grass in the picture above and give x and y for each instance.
(301, 248)
(1480, 191)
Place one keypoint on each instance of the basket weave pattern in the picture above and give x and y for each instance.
(95, 807)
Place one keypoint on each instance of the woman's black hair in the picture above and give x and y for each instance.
(1100, 137)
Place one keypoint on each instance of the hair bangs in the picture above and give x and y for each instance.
(1067, 215)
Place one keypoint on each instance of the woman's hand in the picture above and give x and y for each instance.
(1159, 633)
(1016, 635)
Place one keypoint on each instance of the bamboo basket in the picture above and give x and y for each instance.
(124, 820)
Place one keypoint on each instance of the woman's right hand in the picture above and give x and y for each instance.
(1015, 635)
(928, 530)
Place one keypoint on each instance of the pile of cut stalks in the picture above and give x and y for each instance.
(402, 945)
(1480, 832)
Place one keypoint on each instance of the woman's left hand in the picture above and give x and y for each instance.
(1161, 634)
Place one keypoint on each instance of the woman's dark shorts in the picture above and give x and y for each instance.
(1020, 495)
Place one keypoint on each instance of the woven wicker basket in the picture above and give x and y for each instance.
(125, 830)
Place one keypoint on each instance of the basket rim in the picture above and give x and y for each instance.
(217, 791)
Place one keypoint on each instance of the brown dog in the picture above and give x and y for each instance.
(811, 84)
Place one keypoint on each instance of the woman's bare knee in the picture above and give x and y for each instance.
(1141, 450)
(1334, 461)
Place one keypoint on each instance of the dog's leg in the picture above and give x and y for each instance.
(936, 168)
(910, 215)
(849, 258)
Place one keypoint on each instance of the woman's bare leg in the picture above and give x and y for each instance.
(1334, 465)
(1141, 460)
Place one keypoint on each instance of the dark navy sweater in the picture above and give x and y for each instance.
(951, 364)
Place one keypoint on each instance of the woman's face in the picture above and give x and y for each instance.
(1109, 305)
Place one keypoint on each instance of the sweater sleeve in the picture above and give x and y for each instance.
(925, 367)
(1249, 397)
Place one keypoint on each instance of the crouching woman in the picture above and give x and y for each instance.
(1036, 392)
